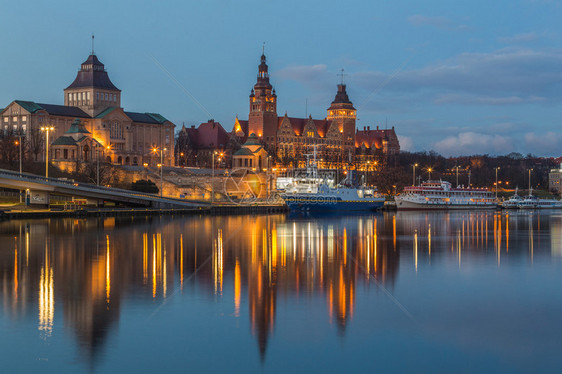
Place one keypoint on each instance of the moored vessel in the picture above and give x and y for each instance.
(440, 195)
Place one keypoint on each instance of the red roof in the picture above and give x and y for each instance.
(299, 124)
(373, 138)
(208, 135)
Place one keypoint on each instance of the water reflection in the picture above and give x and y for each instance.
(85, 268)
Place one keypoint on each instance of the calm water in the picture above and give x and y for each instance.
(396, 292)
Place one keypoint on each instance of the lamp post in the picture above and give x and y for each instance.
(429, 170)
(497, 181)
(457, 167)
(530, 170)
(161, 166)
(414, 175)
(18, 142)
(98, 165)
(213, 178)
(47, 129)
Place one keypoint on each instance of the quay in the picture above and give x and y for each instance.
(83, 212)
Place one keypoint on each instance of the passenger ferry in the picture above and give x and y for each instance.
(512, 202)
(533, 202)
(440, 195)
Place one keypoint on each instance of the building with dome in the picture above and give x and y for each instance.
(91, 124)
(335, 138)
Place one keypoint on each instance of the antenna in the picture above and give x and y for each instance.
(306, 108)
(263, 49)
(92, 43)
(341, 75)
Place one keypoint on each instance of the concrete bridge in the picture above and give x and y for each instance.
(38, 190)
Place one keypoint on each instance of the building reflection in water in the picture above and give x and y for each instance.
(85, 267)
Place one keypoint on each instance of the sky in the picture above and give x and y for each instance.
(457, 77)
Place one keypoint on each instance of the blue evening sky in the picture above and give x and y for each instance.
(458, 77)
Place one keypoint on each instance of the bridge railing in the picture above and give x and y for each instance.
(25, 177)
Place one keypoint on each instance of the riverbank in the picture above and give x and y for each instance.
(8, 214)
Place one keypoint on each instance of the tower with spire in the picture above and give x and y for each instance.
(262, 119)
(342, 113)
(92, 90)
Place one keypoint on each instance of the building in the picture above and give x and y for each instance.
(251, 155)
(555, 180)
(335, 137)
(127, 138)
(195, 146)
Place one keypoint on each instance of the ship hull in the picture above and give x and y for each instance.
(327, 204)
(402, 204)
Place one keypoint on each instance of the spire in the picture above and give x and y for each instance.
(342, 75)
(92, 45)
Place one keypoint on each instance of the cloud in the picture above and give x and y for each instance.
(314, 76)
(519, 38)
(421, 20)
(469, 143)
(484, 100)
(547, 143)
(438, 22)
(406, 143)
(501, 76)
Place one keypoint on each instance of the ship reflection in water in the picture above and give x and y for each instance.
(83, 280)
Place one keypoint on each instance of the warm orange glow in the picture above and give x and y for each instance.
(107, 272)
(237, 288)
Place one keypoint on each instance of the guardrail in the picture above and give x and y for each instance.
(85, 187)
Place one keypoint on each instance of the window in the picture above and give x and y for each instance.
(106, 97)
(23, 118)
(69, 98)
(97, 95)
(5, 119)
(15, 118)
(65, 154)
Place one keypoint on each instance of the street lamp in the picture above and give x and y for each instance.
(46, 129)
(414, 175)
(497, 181)
(18, 142)
(530, 170)
(429, 170)
(457, 167)
(213, 178)
(161, 166)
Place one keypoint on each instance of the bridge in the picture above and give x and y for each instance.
(39, 189)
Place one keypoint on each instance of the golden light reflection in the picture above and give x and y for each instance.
(15, 269)
(144, 257)
(46, 297)
(153, 266)
(237, 288)
(107, 272)
(181, 261)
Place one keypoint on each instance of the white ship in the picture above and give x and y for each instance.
(313, 193)
(512, 202)
(440, 195)
(533, 202)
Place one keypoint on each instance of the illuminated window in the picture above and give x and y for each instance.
(15, 119)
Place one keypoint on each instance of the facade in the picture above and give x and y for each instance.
(555, 180)
(127, 138)
(288, 138)
(251, 155)
(195, 146)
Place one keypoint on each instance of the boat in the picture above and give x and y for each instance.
(440, 195)
(512, 202)
(533, 202)
(313, 193)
